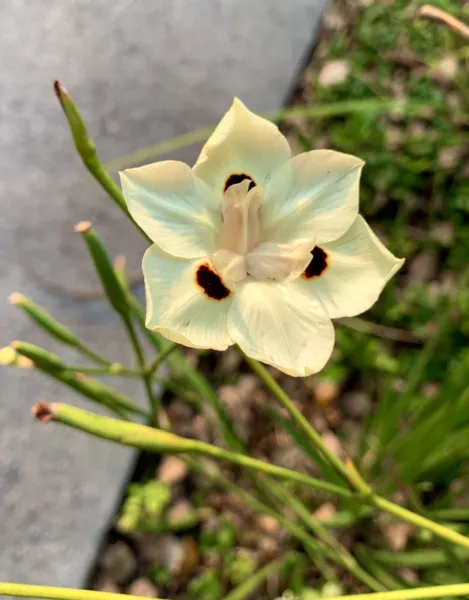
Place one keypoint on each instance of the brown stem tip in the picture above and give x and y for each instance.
(60, 91)
(82, 226)
(43, 411)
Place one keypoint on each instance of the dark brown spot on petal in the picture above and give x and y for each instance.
(211, 283)
(238, 178)
(318, 264)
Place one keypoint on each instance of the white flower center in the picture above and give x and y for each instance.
(242, 252)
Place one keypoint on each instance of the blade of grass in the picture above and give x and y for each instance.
(252, 583)
(386, 105)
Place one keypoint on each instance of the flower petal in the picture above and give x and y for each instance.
(176, 210)
(243, 144)
(357, 267)
(313, 194)
(281, 324)
(182, 309)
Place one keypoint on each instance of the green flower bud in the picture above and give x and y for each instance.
(111, 284)
(44, 320)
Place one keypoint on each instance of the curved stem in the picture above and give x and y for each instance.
(270, 469)
(298, 417)
(440, 591)
(58, 593)
(157, 440)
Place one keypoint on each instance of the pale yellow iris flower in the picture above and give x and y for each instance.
(254, 247)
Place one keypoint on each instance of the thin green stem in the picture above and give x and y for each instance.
(180, 367)
(451, 514)
(102, 176)
(58, 593)
(418, 559)
(311, 546)
(159, 360)
(444, 317)
(248, 587)
(83, 349)
(340, 554)
(177, 389)
(157, 440)
(419, 521)
(440, 591)
(347, 470)
(448, 548)
(387, 579)
(270, 469)
(326, 110)
(296, 415)
(114, 369)
(146, 377)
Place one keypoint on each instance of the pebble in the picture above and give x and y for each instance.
(448, 158)
(325, 512)
(325, 392)
(445, 70)
(423, 267)
(397, 535)
(172, 470)
(105, 584)
(267, 544)
(119, 562)
(333, 72)
(268, 524)
(356, 404)
(443, 233)
(164, 549)
(180, 511)
(143, 587)
(409, 575)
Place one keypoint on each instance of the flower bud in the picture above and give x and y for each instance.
(44, 320)
(109, 280)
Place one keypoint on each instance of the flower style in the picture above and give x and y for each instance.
(254, 247)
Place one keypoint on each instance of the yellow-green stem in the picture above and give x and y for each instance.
(157, 440)
(296, 415)
(57, 593)
(440, 591)
(348, 470)
(419, 521)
